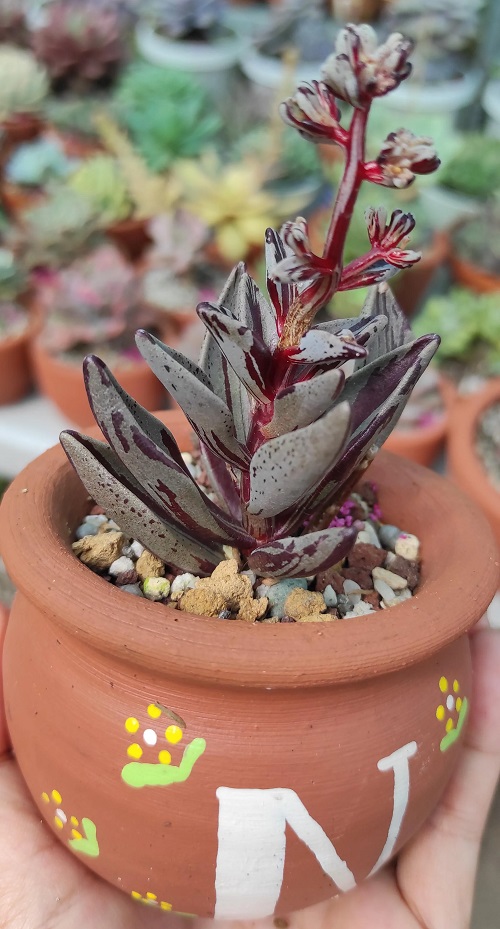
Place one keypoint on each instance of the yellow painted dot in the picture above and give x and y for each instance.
(154, 711)
(134, 751)
(173, 734)
(76, 834)
(74, 821)
(449, 725)
(456, 686)
(164, 757)
(132, 724)
(56, 796)
(58, 822)
(165, 906)
(458, 704)
(136, 895)
(440, 712)
(45, 797)
(443, 685)
(150, 896)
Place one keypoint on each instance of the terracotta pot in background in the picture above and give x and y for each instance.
(4, 738)
(62, 382)
(339, 730)
(17, 198)
(424, 444)
(411, 287)
(472, 276)
(16, 375)
(131, 236)
(22, 127)
(465, 466)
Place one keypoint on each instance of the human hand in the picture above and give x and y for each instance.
(430, 886)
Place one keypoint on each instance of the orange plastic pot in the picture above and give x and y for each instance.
(131, 237)
(465, 466)
(62, 382)
(424, 444)
(233, 769)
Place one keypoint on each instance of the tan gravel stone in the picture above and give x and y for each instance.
(302, 602)
(251, 610)
(148, 565)
(317, 618)
(202, 601)
(99, 551)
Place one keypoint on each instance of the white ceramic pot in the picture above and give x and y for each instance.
(443, 207)
(436, 97)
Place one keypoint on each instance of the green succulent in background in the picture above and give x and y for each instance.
(167, 114)
(39, 162)
(13, 278)
(57, 230)
(74, 114)
(291, 157)
(469, 326)
(23, 82)
(98, 180)
(477, 240)
(475, 169)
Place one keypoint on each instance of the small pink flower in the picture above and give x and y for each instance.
(389, 237)
(302, 264)
(360, 70)
(403, 155)
(314, 112)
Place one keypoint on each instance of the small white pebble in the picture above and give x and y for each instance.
(361, 609)
(156, 588)
(351, 589)
(408, 546)
(403, 595)
(180, 584)
(368, 534)
(136, 548)
(262, 590)
(394, 580)
(132, 589)
(96, 519)
(330, 596)
(383, 589)
(150, 737)
(112, 525)
(120, 566)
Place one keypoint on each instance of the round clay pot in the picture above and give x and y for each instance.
(424, 444)
(131, 237)
(22, 127)
(62, 382)
(183, 746)
(472, 276)
(464, 465)
(4, 738)
(16, 375)
(17, 198)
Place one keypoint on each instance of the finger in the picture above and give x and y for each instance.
(4, 734)
(436, 873)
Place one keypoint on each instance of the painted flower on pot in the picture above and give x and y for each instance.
(286, 427)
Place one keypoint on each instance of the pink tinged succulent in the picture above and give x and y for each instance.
(403, 155)
(360, 70)
(301, 264)
(314, 112)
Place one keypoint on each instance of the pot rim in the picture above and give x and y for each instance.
(460, 577)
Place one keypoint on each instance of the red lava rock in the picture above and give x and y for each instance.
(368, 492)
(366, 557)
(128, 577)
(332, 577)
(407, 569)
(287, 619)
(373, 599)
(97, 510)
(360, 575)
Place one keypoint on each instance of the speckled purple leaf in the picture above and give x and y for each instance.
(363, 329)
(244, 351)
(208, 415)
(380, 300)
(166, 485)
(115, 490)
(304, 555)
(320, 347)
(281, 295)
(284, 469)
(301, 404)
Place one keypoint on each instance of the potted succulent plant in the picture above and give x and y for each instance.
(24, 86)
(17, 326)
(56, 231)
(33, 167)
(82, 45)
(190, 35)
(92, 303)
(475, 251)
(466, 182)
(146, 753)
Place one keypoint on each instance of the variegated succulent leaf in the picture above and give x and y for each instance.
(243, 349)
(106, 480)
(301, 404)
(303, 555)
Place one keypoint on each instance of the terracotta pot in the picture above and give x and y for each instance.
(340, 730)
(16, 375)
(131, 237)
(22, 127)
(410, 287)
(472, 276)
(17, 199)
(465, 466)
(424, 444)
(62, 382)
(4, 615)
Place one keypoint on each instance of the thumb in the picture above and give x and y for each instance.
(4, 735)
